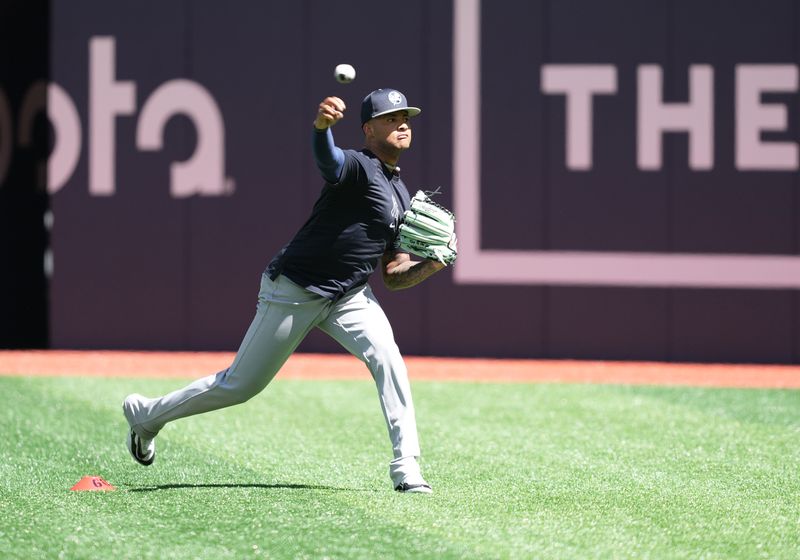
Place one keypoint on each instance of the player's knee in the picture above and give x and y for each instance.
(240, 398)
(384, 357)
(242, 392)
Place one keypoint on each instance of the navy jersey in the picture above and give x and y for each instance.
(353, 223)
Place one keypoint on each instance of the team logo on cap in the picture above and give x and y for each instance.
(395, 98)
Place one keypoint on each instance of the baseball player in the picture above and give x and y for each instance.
(319, 279)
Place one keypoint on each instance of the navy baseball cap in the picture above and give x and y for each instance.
(384, 101)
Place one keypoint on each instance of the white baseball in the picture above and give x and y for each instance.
(344, 73)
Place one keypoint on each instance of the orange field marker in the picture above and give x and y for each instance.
(92, 483)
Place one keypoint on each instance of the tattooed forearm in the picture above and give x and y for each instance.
(408, 274)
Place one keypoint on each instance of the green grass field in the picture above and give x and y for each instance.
(300, 471)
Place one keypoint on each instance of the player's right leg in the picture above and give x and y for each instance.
(285, 314)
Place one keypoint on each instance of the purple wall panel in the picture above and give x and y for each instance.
(507, 321)
(513, 202)
(734, 326)
(725, 209)
(612, 206)
(482, 320)
(472, 321)
(795, 122)
(232, 238)
(144, 269)
(119, 261)
(609, 323)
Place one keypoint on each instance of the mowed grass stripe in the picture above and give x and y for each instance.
(519, 470)
(243, 490)
(617, 464)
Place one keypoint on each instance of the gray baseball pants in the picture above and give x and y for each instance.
(286, 313)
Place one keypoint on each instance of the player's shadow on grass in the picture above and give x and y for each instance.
(233, 485)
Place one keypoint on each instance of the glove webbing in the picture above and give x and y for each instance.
(414, 218)
(408, 234)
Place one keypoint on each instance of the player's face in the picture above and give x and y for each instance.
(392, 129)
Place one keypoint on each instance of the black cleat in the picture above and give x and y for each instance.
(422, 488)
(143, 451)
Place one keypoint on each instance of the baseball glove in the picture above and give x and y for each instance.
(428, 230)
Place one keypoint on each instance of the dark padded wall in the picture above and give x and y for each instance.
(142, 268)
(24, 52)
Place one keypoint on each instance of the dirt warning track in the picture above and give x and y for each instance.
(191, 365)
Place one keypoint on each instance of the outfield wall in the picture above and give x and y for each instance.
(625, 173)
(24, 60)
